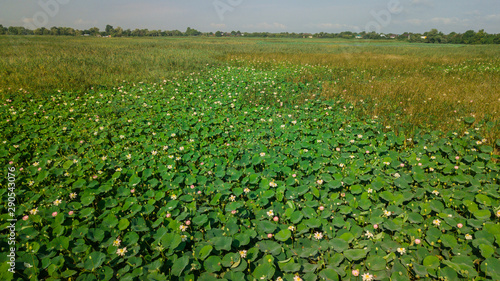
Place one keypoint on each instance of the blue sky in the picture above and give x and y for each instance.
(386, 16)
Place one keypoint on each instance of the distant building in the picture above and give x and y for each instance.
(359, 37)
(307, 35)
(393, 36)
(423, 37)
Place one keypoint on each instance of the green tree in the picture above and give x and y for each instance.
(94, 31)
(12, 30)
(54, 30)
(118, 32)
(109, 30)
(218, 34)
(454, 38)
(479, 37)
(434, 36)
(192, 32)
(468, 37)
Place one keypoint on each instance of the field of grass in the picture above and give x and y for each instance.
(424, 85)
(249, 159)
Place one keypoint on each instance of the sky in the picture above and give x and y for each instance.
(383, 16)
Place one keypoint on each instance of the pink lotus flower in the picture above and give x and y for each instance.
(375, 226)
(417, 241)
(71, 213)
(460, 225)
(11, 162)
(169, 215)
(25, 218)
(132, 190)
(456, 167)
(321, 208)
(188, 222)
(270, 235)
(355, 272)
(192, 186)
(276, 219)
(54, 214)
(233, 212)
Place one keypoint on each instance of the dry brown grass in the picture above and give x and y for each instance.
(412, 91)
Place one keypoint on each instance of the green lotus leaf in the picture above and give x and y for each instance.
(123, 224)
(296, 217)
(271, 247)
(283, 235)
(375, 263)
(483, 199)
(469, 120)
(431, 262)
(491, 267)
(355, 254)
(179, 265)
(231, 260)
(486, 250)
(222, 243)
(449, 273)
(482, 214)
(134, 180)
(266, 226)
(449, 241)
(94, 261)
(79, 183)
(329, 274)
(486, 149)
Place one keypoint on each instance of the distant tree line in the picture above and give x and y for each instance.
(432, 36)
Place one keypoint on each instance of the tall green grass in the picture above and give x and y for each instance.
(413, 85)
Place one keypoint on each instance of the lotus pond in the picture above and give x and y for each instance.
(237, 174)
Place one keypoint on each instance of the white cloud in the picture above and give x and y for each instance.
(337, 26)
(28, 20)
(436, 20)
(427, 3)
(414, 21)
(265, 25)
(218, 25)
(492, 17)
(473, 13)
(81, 22)
(446, 21)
